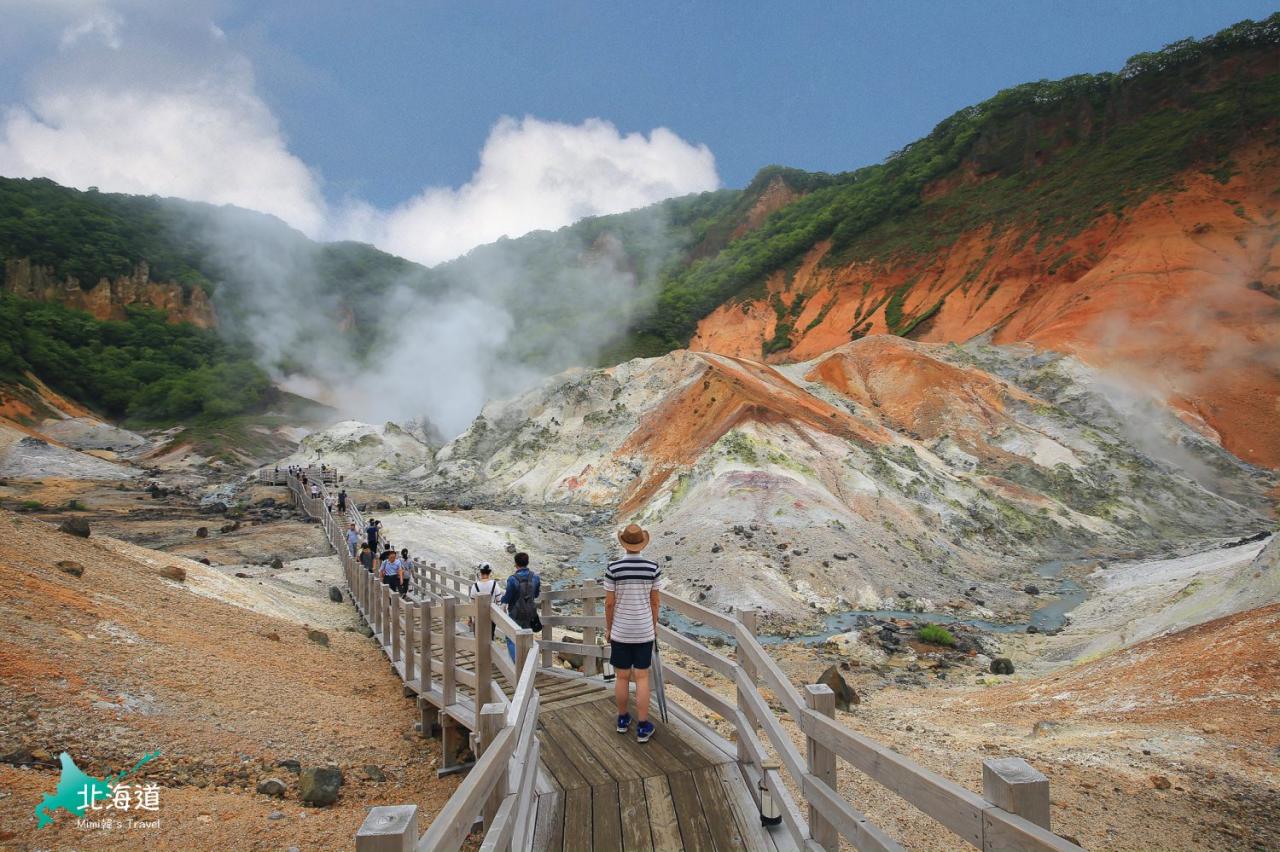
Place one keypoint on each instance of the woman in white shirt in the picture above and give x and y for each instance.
(485, 585)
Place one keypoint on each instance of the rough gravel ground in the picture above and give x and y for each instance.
(120, 662)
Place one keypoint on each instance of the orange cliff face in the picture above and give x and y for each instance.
(108, 299)
(1181, 296)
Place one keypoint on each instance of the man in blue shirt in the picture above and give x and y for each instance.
(523, 588)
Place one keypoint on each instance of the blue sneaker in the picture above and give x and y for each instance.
(644, 731)
(624, 723)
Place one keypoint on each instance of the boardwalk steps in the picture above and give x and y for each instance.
(550, 772)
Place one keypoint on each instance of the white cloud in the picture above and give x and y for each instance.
(102, 23)
(533, 175)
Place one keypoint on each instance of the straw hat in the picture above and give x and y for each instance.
(634, 538)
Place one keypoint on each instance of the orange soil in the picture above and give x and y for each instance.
(1178, 296)
(1222, 676)
(727, 393)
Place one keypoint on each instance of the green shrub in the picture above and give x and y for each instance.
(936, 634)
(30, 506)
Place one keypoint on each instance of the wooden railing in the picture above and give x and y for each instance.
(1014, 814)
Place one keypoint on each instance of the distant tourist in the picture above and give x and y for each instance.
(631, 586)
(315, 491)
(371, 532)
(392, 570)
(485, 585)
(366, 557)
(520, 599)
(342, 500)
(409, 564)
(353, 537)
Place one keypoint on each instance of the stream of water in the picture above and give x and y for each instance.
(1068, 594)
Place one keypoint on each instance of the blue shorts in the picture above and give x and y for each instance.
(631, 655)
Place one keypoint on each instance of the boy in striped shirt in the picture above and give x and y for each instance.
(631, 586)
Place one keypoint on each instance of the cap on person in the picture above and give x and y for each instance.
(484, 568)
(634, 538)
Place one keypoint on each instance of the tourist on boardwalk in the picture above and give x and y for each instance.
(484, 585)
(372, 532)
(353, 537)
(315, 491)
(631, 586)
(520, 599)
(366, 557)
(342, 500)
(392, 570)
(408, 563)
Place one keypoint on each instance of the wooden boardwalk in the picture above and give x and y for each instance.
(547, 770)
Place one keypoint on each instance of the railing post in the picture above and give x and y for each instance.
(389, 829)
(424, 682)
(524, 645)
(590, 665)
(489, 723)
(484, 649)
(548, 656)
(395, 628)
(448, 655)
(822, 764)
(1012, 784)
(410, 645)
(384, 608)
(750, 621)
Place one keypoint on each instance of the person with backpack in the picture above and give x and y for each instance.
(521, 599)
(366, 557)
(631, 586)
(372, 532)
(485, 585)
(342, 500)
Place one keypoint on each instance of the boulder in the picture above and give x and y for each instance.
(1160, 782)
(272, 787)
(846, 697)
(1002, 666)
(78, 527)
(319, 637)
(202, 532)
(335, 594)
(204, 560)
(217, 507)
(277, 564)
(289, 765)
(67, 566)
(174, 572)
(382, 506)
(231, 527)
(319, 785)
(1031, 589)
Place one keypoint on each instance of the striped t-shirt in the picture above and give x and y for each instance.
(631, 578)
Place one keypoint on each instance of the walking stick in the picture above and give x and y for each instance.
(659, 689)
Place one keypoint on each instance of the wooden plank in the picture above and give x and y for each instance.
(822, 766)
(548, 824)
(688, 647)
(782, 743)
(594, 621)
(1012, 784)
(526, 802)
(698, 735)
(667, 750)
(620, 750)
(773, 676)
(682, 680)
(579, 649)
(498, 832)
(577, 819)
(574, 593)
(851, 823)
(694, 831)
(454, 820)
(571, 744)
(745, 810)
(483, 650)
(715, 807)
(636, 836)
(606, 821)
(559, 764)
(664, 825)
(1003, 830)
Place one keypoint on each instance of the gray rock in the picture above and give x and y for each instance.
(715, 548)
(319, 785)
(290, 765)
(276, 815)
(335, 594)
(78, 527)
(272, 787)
(174, 572)
(1002, 666)
(68, 566)
(846, 697)
(365, 630)
(277, 564)
(1032, 589)
(319, 637)
(373, 772)
(202, 532)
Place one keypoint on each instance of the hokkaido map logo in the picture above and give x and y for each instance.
(107, 803)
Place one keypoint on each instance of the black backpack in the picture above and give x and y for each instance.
(524, 611)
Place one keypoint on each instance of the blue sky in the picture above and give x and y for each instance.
(406, 96)
(428, 128)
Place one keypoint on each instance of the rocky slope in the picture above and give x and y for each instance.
(109, 297)
(884, 469)
(1179, 294)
